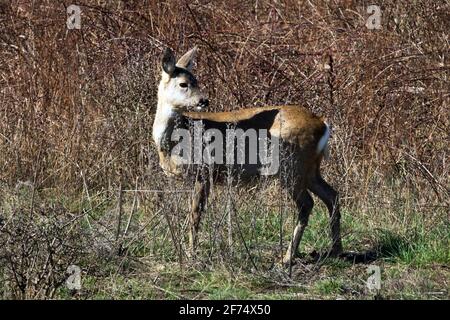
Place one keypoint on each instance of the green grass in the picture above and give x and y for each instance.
(329, 286)
(413, 256)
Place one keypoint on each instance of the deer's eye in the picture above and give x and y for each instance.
(183, 85)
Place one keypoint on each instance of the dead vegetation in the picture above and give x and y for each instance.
(76, 110)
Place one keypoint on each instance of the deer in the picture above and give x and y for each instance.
(181, 104)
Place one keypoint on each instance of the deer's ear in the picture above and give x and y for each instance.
(168, 62)
(187, 60)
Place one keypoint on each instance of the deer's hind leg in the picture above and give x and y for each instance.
(331, 199)
(304, 203)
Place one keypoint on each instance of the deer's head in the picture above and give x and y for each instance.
(178, 89)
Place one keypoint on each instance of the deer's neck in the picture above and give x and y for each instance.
(163, 124)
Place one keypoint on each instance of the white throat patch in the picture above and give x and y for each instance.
(163, 114)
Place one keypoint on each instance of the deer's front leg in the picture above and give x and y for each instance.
(200, 197)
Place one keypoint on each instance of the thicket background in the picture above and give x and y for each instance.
(76, 113)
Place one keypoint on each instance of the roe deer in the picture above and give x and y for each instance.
(296, 128)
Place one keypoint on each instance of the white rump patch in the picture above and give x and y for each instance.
(324, 140)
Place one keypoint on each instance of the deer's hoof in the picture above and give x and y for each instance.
(335, 252)
(289, 260)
